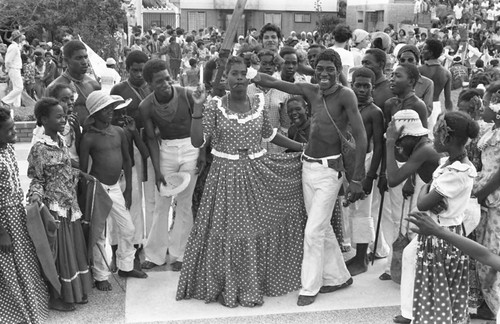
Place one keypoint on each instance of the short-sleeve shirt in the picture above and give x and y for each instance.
(454, 182)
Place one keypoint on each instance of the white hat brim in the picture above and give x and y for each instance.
(176, 183)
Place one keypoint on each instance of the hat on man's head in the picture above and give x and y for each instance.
(409, 120)
(98, 100)
(359, 35)
(15, 35)
(110, 61)
(409, 48)
(241, 37)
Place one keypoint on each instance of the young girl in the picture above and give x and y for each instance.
(441, 280)
(72, 131)
(53, 184)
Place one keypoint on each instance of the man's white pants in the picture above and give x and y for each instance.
(136, 211)
(323, 264)
(125, 228)
(13, 98)
(359, 215)
(175, 156)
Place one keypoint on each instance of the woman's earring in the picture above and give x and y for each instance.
(497, 116)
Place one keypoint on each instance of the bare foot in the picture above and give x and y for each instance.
(59, 305)
(103, 285)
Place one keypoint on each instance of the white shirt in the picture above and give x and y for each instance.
(109, 77)
(347, 60)
(13, 57)
(458, 11)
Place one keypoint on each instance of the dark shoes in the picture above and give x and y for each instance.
(149, 265)
(385, 276)
(132, 274)
(176, 266)
(329, 289)
(401, 320)
(306, 300)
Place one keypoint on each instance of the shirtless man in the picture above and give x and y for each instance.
(359, 213)
(375, 59)
(433, 69)
(108, 147)
(169, 109)
(76, 59)
(323, 268)
(136, 88)
(424, 89)
(402, 85)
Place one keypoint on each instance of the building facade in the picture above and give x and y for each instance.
(374, 15)
(289, 15)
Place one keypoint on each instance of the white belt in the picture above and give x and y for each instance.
(228, 156)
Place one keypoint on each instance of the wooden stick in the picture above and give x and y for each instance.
(227, 43)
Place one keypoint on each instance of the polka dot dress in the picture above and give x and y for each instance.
(23, 293)
(441, 282)
(247, 241)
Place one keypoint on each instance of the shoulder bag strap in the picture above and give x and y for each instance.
(333, 122)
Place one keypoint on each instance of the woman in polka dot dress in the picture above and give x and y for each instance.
(23, 293)
(247, 240)
(441, 280)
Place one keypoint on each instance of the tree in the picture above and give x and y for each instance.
(325, 23)
(94, 20)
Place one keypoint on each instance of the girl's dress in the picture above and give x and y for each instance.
(441, 280)
(247, 240)
(488, 230)
(23, 293)
(55, 181)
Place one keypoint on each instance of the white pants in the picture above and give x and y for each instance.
(136, 211)
(125, 228)
(390, 223)
(359, 215)
(322, 263)
(408, 277)
(13, 98)
(175, 156)
(151, 196)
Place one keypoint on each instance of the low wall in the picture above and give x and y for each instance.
(24, 130)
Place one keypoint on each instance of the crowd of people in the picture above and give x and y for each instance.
(274, 157)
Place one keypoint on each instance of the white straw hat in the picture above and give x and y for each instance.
(176, 183)
(411, 123)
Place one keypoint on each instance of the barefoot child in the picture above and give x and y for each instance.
(109, 149)
(127, 123)
(53, 183)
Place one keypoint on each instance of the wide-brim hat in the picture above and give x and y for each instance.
(15, 35)
(98, 100)
(409, 121)
(359, 35)
(176, 183)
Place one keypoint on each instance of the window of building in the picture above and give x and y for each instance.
(303, 18)
(273, 18)
(197, 20)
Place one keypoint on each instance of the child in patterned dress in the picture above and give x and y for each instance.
(441, 279)
(53, 183)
